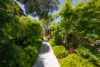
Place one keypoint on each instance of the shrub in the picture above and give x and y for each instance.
(47, 37)
(32, 52)
(39, 41)
(91, 52)
(60, 51)
(12, 55)
(74, 60)
(37, 44)
(51, 41)
(22, 31)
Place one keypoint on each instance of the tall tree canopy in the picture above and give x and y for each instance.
(40, 8)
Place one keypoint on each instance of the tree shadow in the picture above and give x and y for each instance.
(39, 62)
(44, 49)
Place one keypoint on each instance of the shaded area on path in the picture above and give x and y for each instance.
(46, 58)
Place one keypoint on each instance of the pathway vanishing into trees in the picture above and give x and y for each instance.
(46, 58)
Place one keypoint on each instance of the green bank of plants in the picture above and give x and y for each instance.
(78, 28)
(89, 52)
(79, 23)
(22, 40)
(75, 60)
(20, 37)
(11, 55)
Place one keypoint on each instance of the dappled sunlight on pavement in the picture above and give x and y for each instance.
(46, 58)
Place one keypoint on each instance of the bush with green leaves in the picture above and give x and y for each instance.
(24, 32)
(89, 52)
(74, 60)
(11, 55)
(21, 31)
(57, 32)
(60, 51)
(37, 44)
(32, 52)
(51, 41)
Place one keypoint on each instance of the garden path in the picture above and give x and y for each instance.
(46, 57)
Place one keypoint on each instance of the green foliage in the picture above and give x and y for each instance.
(32, 52)
(16, 33)
(51, 41)
(82, 21)
(60, 51)
(8, 11)
(89, 52)
(57, 32)
(40, 8)
(37, 44)
(47, 37)
(23, 32)
(3, 11)
(46, 24)
(12, 55)
(74, 60)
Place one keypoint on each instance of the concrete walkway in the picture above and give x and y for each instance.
(46, 58)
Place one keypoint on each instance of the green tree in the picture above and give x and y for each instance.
(81, 21)
(40, 8)
(46, 23)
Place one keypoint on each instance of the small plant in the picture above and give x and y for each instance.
(60, 51)
(51, 41)
(75, 60)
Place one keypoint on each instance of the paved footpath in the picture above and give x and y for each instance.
(46, 58)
